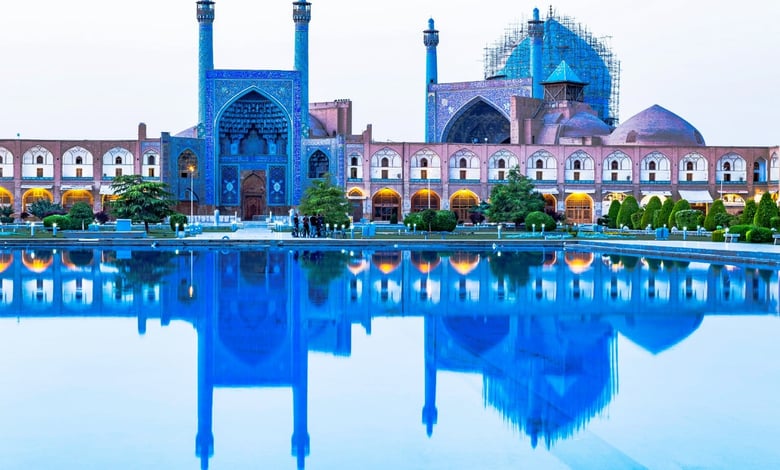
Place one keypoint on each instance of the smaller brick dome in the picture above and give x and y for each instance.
(585, 125)
(656, 126)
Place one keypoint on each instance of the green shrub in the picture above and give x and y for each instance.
(718, 235)
(767, 208)
(177, 218)
(413, 218)
(81, 216)
(749, 213)
(742, 230)
(716, 211)
(759, 235)
(63, 221)
(6, 214)
(445, 221)
(394, 218)
(636, 219)
(540, 219)
(681, 205)
(653, 206)
(627, 208)
(689, 219)
(775, 222)
(612, 216)
(661, 218)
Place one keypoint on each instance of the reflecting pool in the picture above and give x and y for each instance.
(285, 359)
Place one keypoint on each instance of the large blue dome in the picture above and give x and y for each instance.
(585, 54)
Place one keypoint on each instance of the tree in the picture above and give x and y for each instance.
(662, 217)
(81, 215)
(627, 209)
(141, 201)
(653, 205)
(715, 215)
(43, 207)
(323, 197)
(681, 205)
(540, 219)
(749, 213)
(767, 208)
(612, 215)
(6, 214)
(513, 201)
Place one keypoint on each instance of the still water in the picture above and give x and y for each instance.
(280, 359)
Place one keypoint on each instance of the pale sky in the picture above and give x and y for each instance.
(94, 69)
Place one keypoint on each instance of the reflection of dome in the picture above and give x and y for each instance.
(464, 262)
(39, 261)
(6, 259)
(425, 261)
(386, 262)
(584, 125)
(656, 126)
(578, 262)
(657, 333)
(77, 258)
(477, 334)
(357, 266)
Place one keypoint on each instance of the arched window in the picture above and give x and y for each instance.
(318, 165)
(726, 166)
(689, 166)
(614, 165)
(39, 160)
(577, 165)
(385, 162)
(424, 162)
(150, 159)
(354, 161)
(118, 160)
(463, 163)
(79, 160)
(539, 164)
(502, 163)
(652, 166)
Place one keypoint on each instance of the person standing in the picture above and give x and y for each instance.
(305, 226)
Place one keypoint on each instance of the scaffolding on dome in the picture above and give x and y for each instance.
(576, 47)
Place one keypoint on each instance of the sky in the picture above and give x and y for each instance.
(94, 69)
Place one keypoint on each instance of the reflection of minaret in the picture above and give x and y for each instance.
(204, 442)
(300, 358)
(301, 17)
(205, 53)
(429, 412)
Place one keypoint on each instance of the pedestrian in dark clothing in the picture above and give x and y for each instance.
(305, 226)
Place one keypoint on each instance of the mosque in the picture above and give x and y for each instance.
(547, 105)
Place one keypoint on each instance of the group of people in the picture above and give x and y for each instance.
(308, 226)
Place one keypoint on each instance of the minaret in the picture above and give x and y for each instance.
(205, 54)
(536, 33)
(431, 40)
(301, 17)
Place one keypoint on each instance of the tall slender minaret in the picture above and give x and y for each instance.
(205, 54)
(431, 40)
(536, 32)
(301, 17)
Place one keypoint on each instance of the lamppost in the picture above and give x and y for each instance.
(192, 183)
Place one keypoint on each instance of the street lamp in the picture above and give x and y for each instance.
(192, 183)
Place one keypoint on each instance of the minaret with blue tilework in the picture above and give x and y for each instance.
(205, 54)
(536, 32)
(431, 40)
(301, 17)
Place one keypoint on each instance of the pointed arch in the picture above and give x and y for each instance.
(542, 166)
(38, 162)
(6, 163)
(386, 164)
(579, 167)
(150, 164)
(6, 198)
(318, 165)
(77, 162)
(500, 163)
(252, 124)
(579, 209)
(731, 167)
(425, 164)
(655, 167)
(464, 165)
(616, 167)
(386, 205)
(117, 161)
(774, 167)
(693, 168)
(425, 199)
(355, 162)
(462, 202)
(477, 121)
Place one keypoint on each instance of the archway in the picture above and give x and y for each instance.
(425, 199)
(387, 205)
(550, 204)
(478, 122)
(35, 194)
(6, 198)
(356, 198)
(71, 197)
(579, 209)
(253, 196)
(461, 204)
